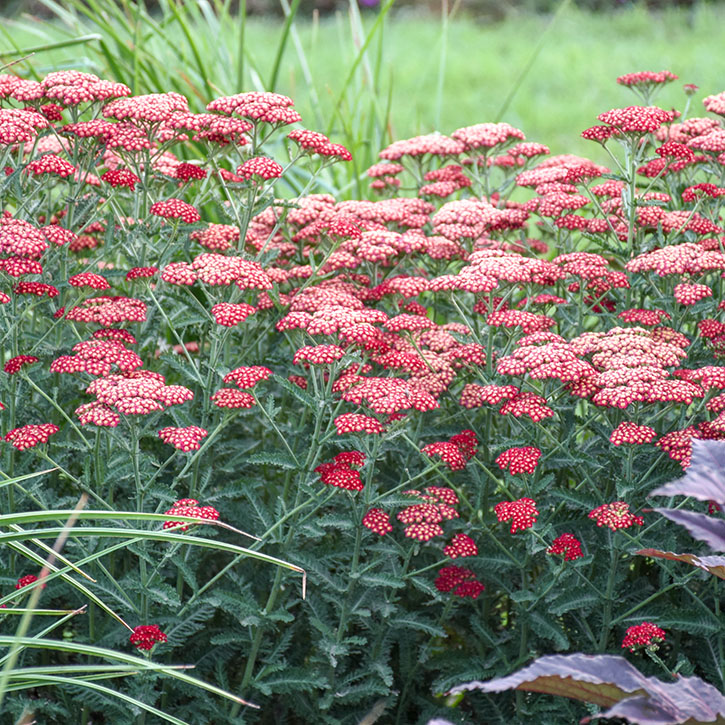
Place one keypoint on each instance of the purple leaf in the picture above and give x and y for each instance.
(601, 679)
(611, 681)
(701, 527)
(686, 700)
(705, 478)
(713, 564)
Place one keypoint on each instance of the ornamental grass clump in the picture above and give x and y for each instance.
(493, 359)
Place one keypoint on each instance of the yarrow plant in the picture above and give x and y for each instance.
(493, 357)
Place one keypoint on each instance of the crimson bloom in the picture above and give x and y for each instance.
(185, 439)
(189, 507)
(568, 545)
(615, 515)
(643, 635)
(519, 459)
(521, 513)
(378, 521)
(175, 209)
(31, 435)
(24, 581)
(462, 582)
(145, 636)
(461, 545)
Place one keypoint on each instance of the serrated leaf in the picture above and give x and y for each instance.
(410, 622)
(701, 526)
(610, 681)
(713, 564)
(382, 580)
(549, 628)
(573, 600)
(281, 460)
(705, 477)
(305, 398)
(523, 595)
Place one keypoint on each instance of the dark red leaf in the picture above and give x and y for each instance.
(701, 526)
(713, 564)
(705, 477)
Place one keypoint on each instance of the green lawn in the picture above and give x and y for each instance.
(420, 76)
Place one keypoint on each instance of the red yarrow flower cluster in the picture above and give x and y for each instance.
(51, 164)
(232, 398)
(318, 354)
(29, 436)
(636, 119)
(121, 177)
(456, 451)
(378, 521)
(357, 423)
(687, 293)
(260, 166)
(568, 545)
(646, 78)
(247, 377)
(145, 636)
(615, 515)
(14, 365)
(230, 314)
(319, 143)
(340, 471)
(422, 520)
(175, 209)
(521, 513)
(461, 545)
(185, 439)
(629, 432)
(643, 635)
(519, 459)
(24, 581)
(189, 507)
(89, 279)
(462, 582)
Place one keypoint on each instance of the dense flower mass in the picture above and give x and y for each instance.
(456, 451)
(628, 432)
(491, 340)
